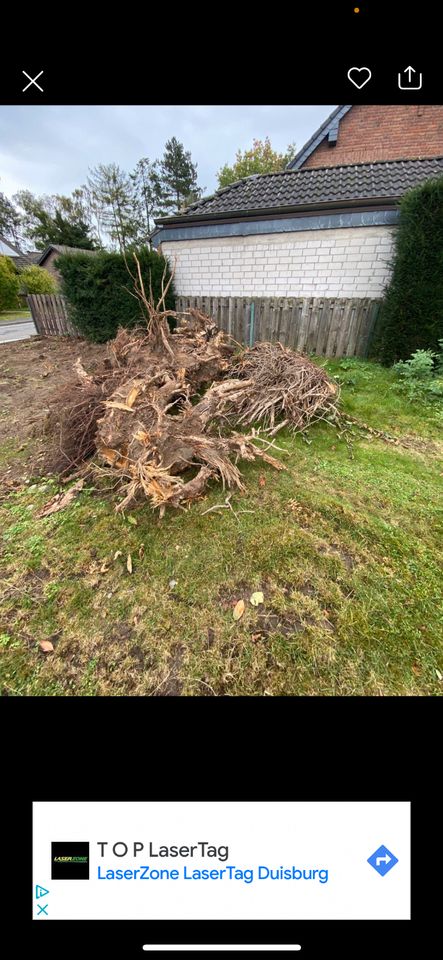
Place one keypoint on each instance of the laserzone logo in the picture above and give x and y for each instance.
(70, 861)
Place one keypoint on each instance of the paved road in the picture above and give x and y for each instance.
(19, 330)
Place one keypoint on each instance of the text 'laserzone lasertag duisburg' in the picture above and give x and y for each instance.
(201, 849)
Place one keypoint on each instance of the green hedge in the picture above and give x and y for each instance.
(97, 287)
(411, 317)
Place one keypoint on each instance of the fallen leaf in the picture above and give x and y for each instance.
(117, 554)
(46, 646)
(104, 567)
(172, 584)
(61, 500)
(257, 598)
(439, 674)
(262, 481)
(129, 563)
(239, 609)
(133, 521)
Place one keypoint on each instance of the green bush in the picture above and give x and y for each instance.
(421, 377)
(99, 289)
(37, 280)
(9, 285)
(411, 317)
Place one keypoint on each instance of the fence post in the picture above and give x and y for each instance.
(251, 324)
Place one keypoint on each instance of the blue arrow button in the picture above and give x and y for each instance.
(382, 860)
(40, 891)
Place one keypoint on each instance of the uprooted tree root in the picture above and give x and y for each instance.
(162, 413)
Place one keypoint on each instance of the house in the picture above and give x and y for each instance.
(30, 259)
(364, 134)
(322, 228)
(8, 249)
(19, 259)
(48, 257)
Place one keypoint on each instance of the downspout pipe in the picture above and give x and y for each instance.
(251, 325)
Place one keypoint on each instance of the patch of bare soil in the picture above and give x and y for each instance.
(267, 620)
(30, 372)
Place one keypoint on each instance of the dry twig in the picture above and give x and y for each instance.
(160, 413)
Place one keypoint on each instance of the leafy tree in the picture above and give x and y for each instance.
(178, 176)
(411, 317)
(9, 219)
(53, 219)
(35, 279)
(147, 196)
(9, 285)
(35, 216)
(113, 193)
(90, 210)
(261, 158)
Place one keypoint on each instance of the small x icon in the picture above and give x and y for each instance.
(32, 81)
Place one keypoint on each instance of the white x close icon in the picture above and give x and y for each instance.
(32, 81)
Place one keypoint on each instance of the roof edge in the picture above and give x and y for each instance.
(330, 125)
(269, 212)
(308, 172)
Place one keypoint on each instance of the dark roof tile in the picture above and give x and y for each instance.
(28, 259)
(293, 188)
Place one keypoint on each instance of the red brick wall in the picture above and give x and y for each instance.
(369, 133)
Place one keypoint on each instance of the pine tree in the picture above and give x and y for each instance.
(70, 234)
(178, 177)
(113, 192)
(147, 196)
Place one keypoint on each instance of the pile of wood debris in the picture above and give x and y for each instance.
(163, 412)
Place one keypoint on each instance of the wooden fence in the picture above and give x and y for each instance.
(50, 315)
(326, 326)
(330, 327)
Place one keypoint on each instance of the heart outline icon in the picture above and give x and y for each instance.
(359, 70)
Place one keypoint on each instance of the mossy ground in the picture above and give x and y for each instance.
(346, 546)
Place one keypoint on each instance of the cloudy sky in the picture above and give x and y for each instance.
(48, 149)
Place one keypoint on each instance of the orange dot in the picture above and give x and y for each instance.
(356, 9)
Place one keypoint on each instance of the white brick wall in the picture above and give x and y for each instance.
(351, 262)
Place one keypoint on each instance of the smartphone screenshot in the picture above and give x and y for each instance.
(221, 449)
(282, 861)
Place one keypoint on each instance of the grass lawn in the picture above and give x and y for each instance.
(8, 316)
(346, 546)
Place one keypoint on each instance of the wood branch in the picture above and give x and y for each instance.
(164, 412)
